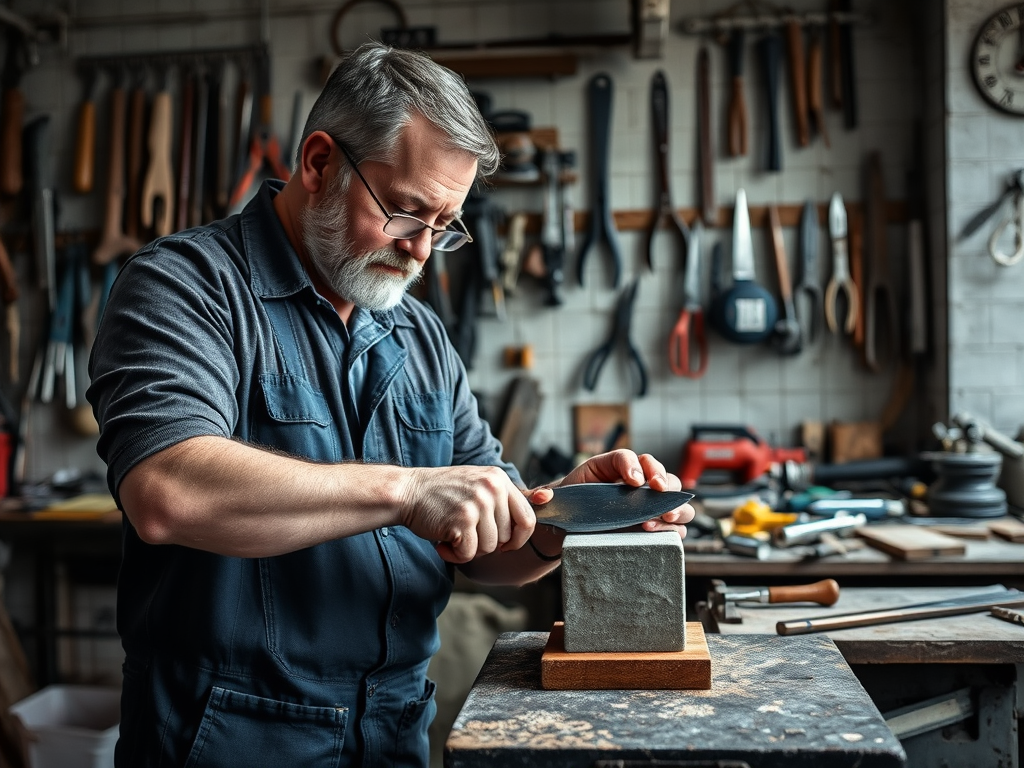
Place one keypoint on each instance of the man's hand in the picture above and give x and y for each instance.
(626, 467)
(468, 510)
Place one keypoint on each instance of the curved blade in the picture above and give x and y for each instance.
(592, 507)
(742, 243)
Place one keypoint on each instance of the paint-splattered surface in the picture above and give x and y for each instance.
(774, 701)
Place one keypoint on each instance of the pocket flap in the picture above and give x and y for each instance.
(428, 412)
(291, 398)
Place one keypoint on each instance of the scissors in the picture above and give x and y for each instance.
(619, 336)
(689, 328)
(665, 212)
(841, 280)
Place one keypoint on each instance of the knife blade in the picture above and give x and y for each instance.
(592, 507)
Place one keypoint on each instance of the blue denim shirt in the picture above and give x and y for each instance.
(318, 655)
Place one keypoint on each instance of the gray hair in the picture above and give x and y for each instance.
(374, 92)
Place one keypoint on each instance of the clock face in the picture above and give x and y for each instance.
(997, 59)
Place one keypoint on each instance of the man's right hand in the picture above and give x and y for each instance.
(468, 510)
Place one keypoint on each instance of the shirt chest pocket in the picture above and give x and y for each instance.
(294, 417)
(425, 429)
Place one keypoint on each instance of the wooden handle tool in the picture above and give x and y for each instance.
(10, 140)
(159, 184)
(815, 96)
(825, 592)
(737, 104)
(857, 274)
(136, 126)
(85, 139)
(798, 81)
(707, 168)
(9, 293)
(835, 59)
(114, 242)
(188, 99)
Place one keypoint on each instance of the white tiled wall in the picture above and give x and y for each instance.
(986, 301)
(743, 384)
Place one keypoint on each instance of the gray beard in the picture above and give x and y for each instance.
(351, 275)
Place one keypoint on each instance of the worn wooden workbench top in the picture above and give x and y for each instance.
(773, 702)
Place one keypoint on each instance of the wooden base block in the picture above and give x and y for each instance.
(680, 670)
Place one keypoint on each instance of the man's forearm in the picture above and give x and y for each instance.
(230, 498)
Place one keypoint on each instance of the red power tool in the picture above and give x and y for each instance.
(743, 455)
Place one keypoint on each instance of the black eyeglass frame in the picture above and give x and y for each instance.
(446, 239)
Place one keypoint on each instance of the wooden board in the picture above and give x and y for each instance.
(973, 532)
(911, 542)
(689, 669)
(521, 413)
(1010, 529)
(598, 428)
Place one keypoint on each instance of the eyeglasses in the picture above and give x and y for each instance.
(402, 226)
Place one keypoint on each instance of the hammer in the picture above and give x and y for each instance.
(722, 599)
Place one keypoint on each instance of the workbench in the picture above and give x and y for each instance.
(909, 662)
(786, 702)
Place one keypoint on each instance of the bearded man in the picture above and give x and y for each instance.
(296, 451)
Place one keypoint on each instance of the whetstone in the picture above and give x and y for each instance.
(677, 670)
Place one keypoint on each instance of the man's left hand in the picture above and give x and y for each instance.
(627, 467)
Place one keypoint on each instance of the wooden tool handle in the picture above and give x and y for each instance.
(136, 119)
(824, 592)
(707, 170)
(8, 279)
(798, 80)
(113, 242)
(737, 120)
(779, 248)
(10, 141)
(159, 183)
(814, 87)
(856, 233)
(85, 148)
(185, 156)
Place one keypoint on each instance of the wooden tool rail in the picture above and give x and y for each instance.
(789, 215)
(169, 58)
(724, 22)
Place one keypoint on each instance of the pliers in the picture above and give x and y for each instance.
(620, 335)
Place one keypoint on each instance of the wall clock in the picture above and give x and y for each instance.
(997, 59)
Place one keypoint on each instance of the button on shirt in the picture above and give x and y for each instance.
(218, 331)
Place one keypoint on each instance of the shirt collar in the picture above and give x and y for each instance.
(276, 269)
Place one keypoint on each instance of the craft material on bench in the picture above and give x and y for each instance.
(909, 542)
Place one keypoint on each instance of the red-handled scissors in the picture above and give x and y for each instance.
(689, 329)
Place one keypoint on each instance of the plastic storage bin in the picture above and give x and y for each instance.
(70, 726)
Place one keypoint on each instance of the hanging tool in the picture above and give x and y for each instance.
(815, 95)
(840, 280)
(511, 254)
(856, 239)
(770, 47)
(9, 294)
(722, 600)
(1014, 191)
(664, 212)
(705, 152)
(835, 57)
(602, 222)
(114, 242)
(786, 336)
(881, 323)
(85, 137)
(13, 112)
(136, 129)
(745, 313)
(737, 104)
(798, 80)
(809, 288)
(188, 104)
(215, 182)
(37, 168)
(158, 185)
(849, 75)
(264, 148)
(200, 118)
(620, 336)
(60, 348)
(552, 233)
(689, 332)
(243, 126)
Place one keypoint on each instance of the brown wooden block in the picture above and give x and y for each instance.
(911, 542)
(1010, 529)
(855, 440)
(679, 670)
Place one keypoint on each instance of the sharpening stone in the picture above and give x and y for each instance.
(623, 592)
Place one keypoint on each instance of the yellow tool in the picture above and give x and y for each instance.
(755, 516)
